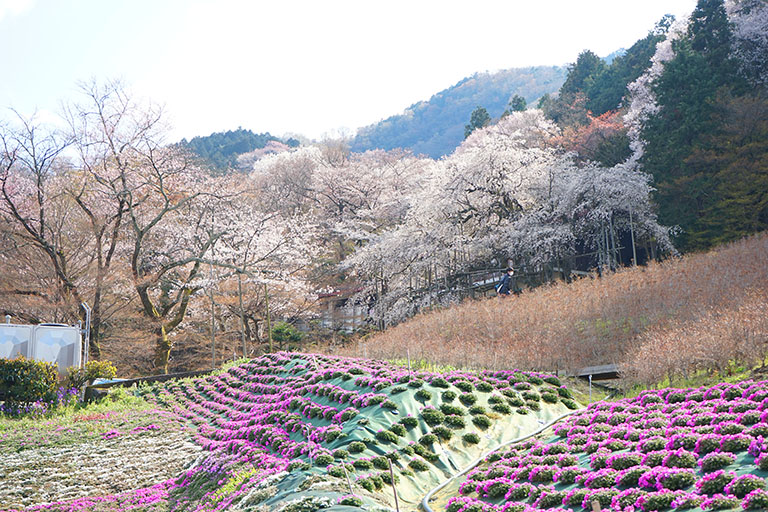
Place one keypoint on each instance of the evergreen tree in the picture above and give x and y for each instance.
(478, 119)
(516, 104)
(587, 65)
(686, 93)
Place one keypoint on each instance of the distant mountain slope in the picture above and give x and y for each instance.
(436, 127)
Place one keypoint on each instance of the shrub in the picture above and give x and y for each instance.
(363, 464)
(352, 501)
(476, 409)
(624, 460)
(448, 396)
(707, 443)
(76, 377)
(567, 475)
(323, 459)
(418, 465)
(600, 479)
(502, 408)
(531, 396)
(534, 379)
(398, 429)
(680, 459)
(687, 501)
(442, 433)
(25, 380)
(464, 386)
(423, 395)
(630, 477)
(720, 502)
(652, 444)
(602, 496)
(340, 453)
(380, 462)
(543, 474)
(484, 387)
(755, 500)
(452, 409)
(439, 382)
(575, 497)
(676, 480)
(416, 383)
(744, 484)
(516, 401)
(571, 404)
(348, 414)
(432, 416)
(735, 443)
(454, 421)
(714, 483)
(534, 406)
(408, 422)
(481, 421)
(389, 404)
(428, 439)
(553, 380)
(467, 399)
(471, 438)
(549, 398)
(298, 464)
(387, 478)
(397, 389)
(656, 500)
(356, 447)
(714, 461)
(386, 436)
(550, 499)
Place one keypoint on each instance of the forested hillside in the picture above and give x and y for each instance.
(436, 127)
(221, 149)
(688, 105)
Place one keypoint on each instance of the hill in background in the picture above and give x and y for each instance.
(436, 127)
(221, 149)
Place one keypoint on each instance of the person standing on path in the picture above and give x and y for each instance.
(505, 287)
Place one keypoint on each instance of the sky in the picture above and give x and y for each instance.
(316, 68)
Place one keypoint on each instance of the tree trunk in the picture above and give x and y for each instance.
(162, 349)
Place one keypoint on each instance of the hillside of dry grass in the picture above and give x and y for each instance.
(700, 311)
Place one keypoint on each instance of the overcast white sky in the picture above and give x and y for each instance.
(307, 67)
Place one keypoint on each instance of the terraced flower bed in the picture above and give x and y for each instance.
(292, 432)
(672, 449)
(316, 423)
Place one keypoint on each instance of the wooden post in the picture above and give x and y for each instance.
(394, 487)
(596, 506)
(349, 484)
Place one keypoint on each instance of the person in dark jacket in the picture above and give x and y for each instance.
(506, 285)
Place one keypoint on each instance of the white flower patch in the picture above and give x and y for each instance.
(109, 466)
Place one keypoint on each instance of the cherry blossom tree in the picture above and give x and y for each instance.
(750, 33)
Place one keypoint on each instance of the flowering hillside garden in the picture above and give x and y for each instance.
(295, 432)
(670, 449)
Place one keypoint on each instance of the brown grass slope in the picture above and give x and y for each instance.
(700, 311)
